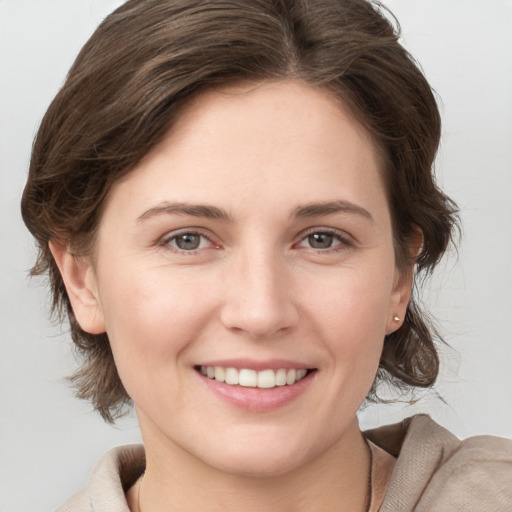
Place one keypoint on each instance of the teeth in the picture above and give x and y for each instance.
(219, 374)
(301, 374)
(248, 378)
(264, 379)
(281, 377)
(267, 379)
(232, 376)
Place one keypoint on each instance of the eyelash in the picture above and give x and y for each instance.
(341, 237)
(167, 241)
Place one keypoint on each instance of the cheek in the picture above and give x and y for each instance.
(350, 315)
(150, 320)
(352, 304)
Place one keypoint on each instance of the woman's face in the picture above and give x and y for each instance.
(253, 243)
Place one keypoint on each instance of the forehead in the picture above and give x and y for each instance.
(273, 141)
(290, 109)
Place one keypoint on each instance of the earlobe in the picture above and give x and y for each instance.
(404, 280)
(80, 281)
(399, 301)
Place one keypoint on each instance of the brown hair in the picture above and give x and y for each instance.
(149, 57)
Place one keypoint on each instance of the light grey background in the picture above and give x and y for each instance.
(49, 441)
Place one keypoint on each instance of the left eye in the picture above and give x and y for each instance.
(321, 240)
(188, 241)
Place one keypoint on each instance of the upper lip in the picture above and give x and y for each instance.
(258, 365)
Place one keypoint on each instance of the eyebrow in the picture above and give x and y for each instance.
(330, 207)
(193, 210)
(213, 212)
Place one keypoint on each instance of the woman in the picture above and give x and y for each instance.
(231, 200)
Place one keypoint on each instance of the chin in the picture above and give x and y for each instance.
(259, 465)
(259, 456)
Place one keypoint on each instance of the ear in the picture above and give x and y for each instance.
(80, 281)
(402, 288)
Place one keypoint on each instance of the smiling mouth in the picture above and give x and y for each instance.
(264, 379)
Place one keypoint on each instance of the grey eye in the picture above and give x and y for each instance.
(188, 241)
(320, 240)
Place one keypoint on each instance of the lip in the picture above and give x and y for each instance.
(257, 400)
(252, 364)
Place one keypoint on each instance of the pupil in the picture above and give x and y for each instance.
(320, 240)
(188, 242)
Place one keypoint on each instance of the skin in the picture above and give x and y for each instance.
(255, 288)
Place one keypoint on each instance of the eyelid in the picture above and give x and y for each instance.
(168, 237)
(345, 238)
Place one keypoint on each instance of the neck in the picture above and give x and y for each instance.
(335, 480)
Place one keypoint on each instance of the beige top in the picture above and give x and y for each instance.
(433, 471)
(436, 472)
(383, 464)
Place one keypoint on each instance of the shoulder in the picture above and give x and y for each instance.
(437, 471)
(476, 475)
(112, 476)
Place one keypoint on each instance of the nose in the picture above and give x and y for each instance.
(259, 297)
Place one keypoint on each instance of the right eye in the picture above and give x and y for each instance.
(322, 240)
(187, 242)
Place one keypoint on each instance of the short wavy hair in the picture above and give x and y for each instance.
(144, 63)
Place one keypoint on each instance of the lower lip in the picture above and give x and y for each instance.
(258, 399)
